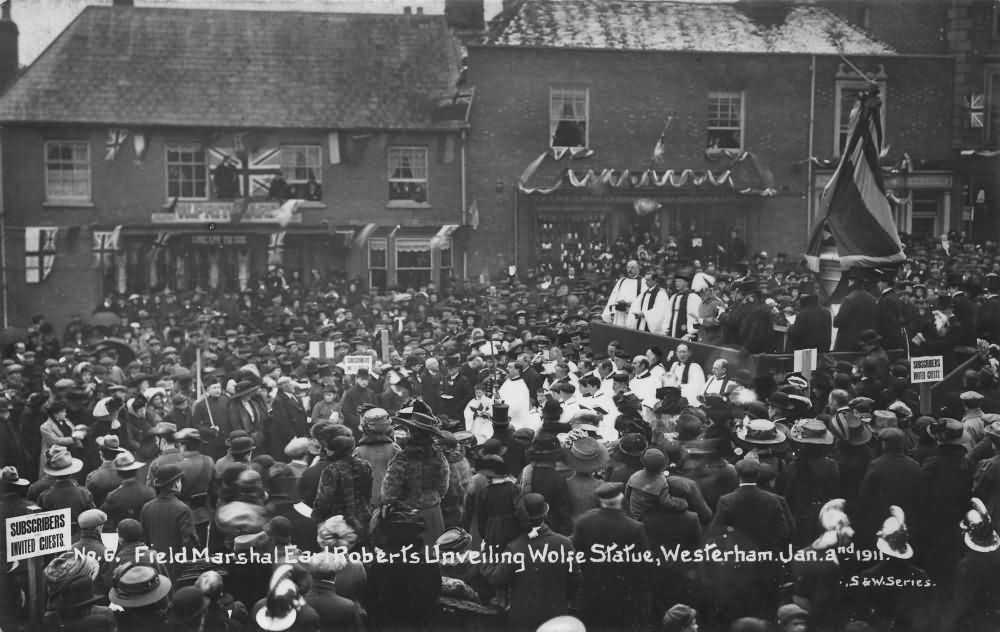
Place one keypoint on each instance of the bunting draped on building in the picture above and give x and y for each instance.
(113, 145)
(106, 245)
(39, 252)
(649, 178)
(856, 212)
(139, 145)
(275, 249)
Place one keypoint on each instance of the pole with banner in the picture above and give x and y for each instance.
(925, 371)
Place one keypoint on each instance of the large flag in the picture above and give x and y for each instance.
(856, 211)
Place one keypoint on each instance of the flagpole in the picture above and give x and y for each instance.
(200, 387)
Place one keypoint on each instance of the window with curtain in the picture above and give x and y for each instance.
(302, 168)
(378, 276)
(568, 116)
(67, 170)
(408, 174)
(413, 263)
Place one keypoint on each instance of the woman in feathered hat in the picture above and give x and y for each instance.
(976, 601)
(818, 583)
(418, 476)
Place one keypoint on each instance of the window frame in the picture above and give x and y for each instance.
(90, 172)
(383, 268)
(413, 242)
(187, 148)
(854, 84)
(317, 170)
(425, 181)
(742, 114)
(920, 197)
(555, 118)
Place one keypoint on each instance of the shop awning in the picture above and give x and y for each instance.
(744, 174)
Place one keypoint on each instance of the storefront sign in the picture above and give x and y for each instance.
(926, 369)
(38, 534)
(262, 212)
(219, 240)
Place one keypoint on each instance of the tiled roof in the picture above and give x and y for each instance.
(676, 26)
(156, 66)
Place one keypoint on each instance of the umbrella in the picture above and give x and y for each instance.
(105, 319)
(125, 353)
(10, 335)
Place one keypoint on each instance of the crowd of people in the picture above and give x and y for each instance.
(221, 475)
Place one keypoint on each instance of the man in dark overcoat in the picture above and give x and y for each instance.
(614, 595)
(288, 419)
(857, 313)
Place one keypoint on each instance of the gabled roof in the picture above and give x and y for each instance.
(221, 68)
(656, 25)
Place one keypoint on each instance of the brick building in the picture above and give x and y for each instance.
(757, 98)
(152, 147)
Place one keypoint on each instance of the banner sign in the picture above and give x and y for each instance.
(355, 362)
(926, 369)
(322, 350)
(35, 535)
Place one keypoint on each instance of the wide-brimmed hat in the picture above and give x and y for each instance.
(587, 455)
(811, 431)
(59, 462)
(137, 586)
(125, 462)
(761, 432)
(280, 609)
(421, 422)
(978, 527)
(240, 444)
(10, 477)
(894, 537)
(849, 427)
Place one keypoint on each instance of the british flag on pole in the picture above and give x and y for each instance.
(856, 210)
(106, 246)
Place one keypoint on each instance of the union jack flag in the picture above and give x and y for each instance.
(39, 252)
(262, 165)
(275, 249)
(976, 104)
(106, 245)
(113, 144)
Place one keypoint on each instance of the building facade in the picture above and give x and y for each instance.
(744, 105)
(195, 149)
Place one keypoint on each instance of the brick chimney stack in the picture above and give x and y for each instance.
(124, 3)
(9, 60)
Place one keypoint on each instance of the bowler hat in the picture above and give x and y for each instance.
(533, 506)
(187, 604)
(167, 474)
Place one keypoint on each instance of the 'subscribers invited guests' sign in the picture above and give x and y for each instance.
(926, 369)
(355, 362)
(38, 534)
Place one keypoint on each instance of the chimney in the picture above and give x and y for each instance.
(124, 3)
(9, 61)
(407, 10)
(420, 10)
(466, 15)
(766, 13)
